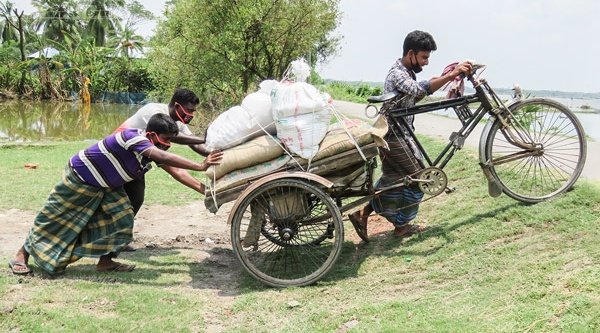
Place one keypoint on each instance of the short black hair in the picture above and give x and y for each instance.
(184, 96)
(161, 123)
(418, 41)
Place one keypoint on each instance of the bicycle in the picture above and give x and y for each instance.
(530, 149)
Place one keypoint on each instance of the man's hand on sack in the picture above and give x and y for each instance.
(214, 158)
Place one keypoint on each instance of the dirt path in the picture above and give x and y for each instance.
(190, 226)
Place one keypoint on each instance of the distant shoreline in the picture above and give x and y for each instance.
(501, 91)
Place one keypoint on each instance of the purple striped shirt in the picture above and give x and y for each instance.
(115, 160)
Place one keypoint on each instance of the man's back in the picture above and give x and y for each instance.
(141, 117)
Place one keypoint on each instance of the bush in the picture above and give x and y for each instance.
(351, 92)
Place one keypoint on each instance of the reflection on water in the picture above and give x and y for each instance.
(36, 121)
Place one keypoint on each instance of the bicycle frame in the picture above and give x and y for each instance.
(490, 104)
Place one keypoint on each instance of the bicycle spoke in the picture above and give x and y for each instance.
(555, 160)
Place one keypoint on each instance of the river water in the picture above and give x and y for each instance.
(40, 121)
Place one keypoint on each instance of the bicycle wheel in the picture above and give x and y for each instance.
(540, 154)
(287, 232)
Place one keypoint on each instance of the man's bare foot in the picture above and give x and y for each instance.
(408, 229)
(106, 264)
(359, 221)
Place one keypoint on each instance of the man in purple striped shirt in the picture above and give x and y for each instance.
(88, 214)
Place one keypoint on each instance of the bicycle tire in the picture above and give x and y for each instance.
(295, 253)
(559, 157)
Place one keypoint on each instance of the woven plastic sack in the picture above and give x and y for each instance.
(296, 98)
(258, 106)
(231, 128)
(242, 123)
(302, 134)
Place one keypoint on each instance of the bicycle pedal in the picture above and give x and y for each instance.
(330, 230)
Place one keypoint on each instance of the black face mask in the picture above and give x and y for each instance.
(415, 67)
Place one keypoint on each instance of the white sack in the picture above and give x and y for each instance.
(231, 128)
(258, 106)
(302, 134)
(267, 86)
(294, 99)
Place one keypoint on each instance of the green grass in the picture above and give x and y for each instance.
(33, 185)
(484, 265)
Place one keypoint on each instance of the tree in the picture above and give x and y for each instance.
(125, 41)
(20, 28)
(135, 14)
(9, 32)
(102, 23)
(224, 51)
(57, 18)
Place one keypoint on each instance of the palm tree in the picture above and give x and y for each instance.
(57, 18)
(9, 32)
(101, 21)
(126, 40)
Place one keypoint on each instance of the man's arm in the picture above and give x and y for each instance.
(185, 178)
(166, 158)
(196, 143)
(438, 82)
(185, 139)
(200, 149)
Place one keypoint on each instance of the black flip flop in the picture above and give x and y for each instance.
(359, 230)
(13, 263)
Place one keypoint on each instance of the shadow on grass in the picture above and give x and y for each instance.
(215, 268)
(353, 255)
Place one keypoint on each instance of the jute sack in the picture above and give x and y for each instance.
(241, 176)
(253, 152)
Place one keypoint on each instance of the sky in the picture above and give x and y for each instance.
(539, 44)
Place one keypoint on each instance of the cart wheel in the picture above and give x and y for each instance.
(287, 232)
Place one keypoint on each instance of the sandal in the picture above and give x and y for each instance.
(13, 264)
(361, 228)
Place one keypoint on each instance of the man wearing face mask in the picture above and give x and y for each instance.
(88, 213)
(181, 109)
(401, 206)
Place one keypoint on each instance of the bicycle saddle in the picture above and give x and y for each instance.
(382, 98)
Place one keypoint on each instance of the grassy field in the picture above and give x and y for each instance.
(484, 265)
(28, 188)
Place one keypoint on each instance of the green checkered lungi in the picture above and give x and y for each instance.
(79, 220)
